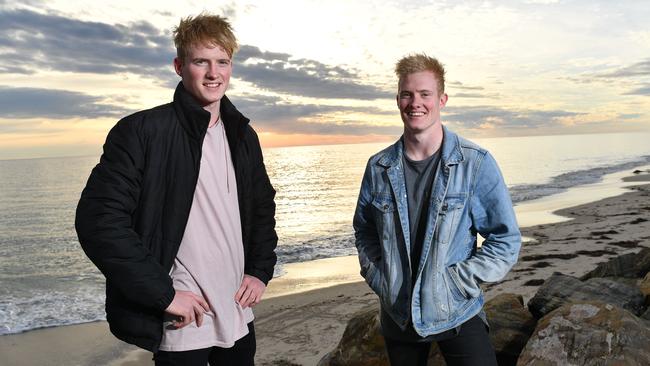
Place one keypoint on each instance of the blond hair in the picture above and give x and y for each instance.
(420, 62)
(204, 29)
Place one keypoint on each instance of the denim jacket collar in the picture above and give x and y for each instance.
(451, 151)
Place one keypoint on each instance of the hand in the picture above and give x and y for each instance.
(250, 292)
(187, 306)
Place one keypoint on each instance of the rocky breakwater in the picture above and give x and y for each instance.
(602, 318)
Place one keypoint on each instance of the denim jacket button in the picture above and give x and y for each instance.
(385, 207)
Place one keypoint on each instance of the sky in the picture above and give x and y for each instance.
(322, 72)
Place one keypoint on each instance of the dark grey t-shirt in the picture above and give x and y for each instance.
(418, 177)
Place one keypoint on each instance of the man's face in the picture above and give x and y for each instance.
(206, 73)
(419, 102)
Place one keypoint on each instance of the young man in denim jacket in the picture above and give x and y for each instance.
(422, 203)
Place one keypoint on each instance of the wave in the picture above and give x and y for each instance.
(562, 182)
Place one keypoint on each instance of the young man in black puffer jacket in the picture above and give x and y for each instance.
(179, 214)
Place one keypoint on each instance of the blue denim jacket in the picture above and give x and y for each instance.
(468, 197)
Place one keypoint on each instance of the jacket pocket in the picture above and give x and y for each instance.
(456, 285)
(373, 278)
(385, 217)
(449, 216)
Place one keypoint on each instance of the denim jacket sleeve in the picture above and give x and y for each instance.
(365, 233)
(494, 218)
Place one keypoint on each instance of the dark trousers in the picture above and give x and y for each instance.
(470, 347)
(241, 354)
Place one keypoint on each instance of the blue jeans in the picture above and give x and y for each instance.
(241, 354)
(470, 347)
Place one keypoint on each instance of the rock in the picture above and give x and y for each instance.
(511, 324)
(361, 344)
(646, 316)
(588, 333)
(644, 286)
(560, 289)
(631, 265)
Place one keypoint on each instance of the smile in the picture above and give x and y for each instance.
(212, 85)
(416, 114)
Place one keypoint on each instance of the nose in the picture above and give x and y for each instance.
(212, 71)
(416, 100)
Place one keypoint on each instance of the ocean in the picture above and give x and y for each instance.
(46, 280)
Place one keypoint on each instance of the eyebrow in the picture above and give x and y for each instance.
(207, 59)
(417, 91)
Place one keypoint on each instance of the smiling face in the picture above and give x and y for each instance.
(419, 102)
(206, 74)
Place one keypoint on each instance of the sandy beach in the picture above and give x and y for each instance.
(307, 309)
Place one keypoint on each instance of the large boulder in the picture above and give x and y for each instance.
(646, 315)
(631, 265)
(588, 333)
(511, 324)
(560, 289)
(362, 343)
(644, 286)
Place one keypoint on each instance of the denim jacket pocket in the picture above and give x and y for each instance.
(385, 217)
(383, 203)
(448, 217)
(373, 278)
(456, 285)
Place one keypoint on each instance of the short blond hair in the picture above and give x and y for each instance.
(204, 29)
(420, 62)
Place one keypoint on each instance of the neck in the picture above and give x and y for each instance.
(214, 113)
(421, 145)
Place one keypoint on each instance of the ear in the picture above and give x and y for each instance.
(443, 100)
(178, 66)
(397, 99)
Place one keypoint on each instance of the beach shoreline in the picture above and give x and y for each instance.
(306, 311)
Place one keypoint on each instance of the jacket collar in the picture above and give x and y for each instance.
(195, 119)
(451, 151)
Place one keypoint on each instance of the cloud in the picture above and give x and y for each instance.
(278, 72)
(645, 90)
(482, 116)
(469, 95)
(20, 103)
(638, 69)
(31, 41)
(461, 86)
(467, 91)
(274, 115)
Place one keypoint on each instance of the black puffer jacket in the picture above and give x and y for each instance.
(132, 214)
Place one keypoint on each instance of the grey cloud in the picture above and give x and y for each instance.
(279, 72)
(630, 115)
(31, 41)
(20, 103)
(461, 86)
(638, 69)
(640, 91)
(469, 95)
(273, 115)
(473, 117)
(248, 52)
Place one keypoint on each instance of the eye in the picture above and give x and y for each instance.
(199, 61)
(404, 95)
(224, 62)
